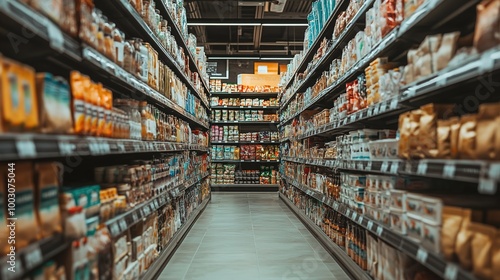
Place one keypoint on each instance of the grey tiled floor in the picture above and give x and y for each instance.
(243, 236)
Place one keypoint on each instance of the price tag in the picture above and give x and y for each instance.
(449, 170)
(26, 148)
(487, 186)
(121, 146)
(394, 104)
(422, 255)
(494, 171)
(348, 213)
(336, 206)
(104, 146)
(33, 257)
(65, 148)
(135, 218)
(369, 226)
(123, 225)
(368, 166)
(360, 220)
(137, 147)
(56, 37)
(385, 167)
(152, 206)
(352, 118)
(114, 229)
(354, 216)
(376, 110)
(422, 168)
(451, 272)
(394, 168)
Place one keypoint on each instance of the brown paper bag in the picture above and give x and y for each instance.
(487, 30)
(467, 137)
(482, 248)
(486, 130)
(453, 218)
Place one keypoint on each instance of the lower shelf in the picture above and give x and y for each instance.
(157, 267)
(340, 255)
(245, 187)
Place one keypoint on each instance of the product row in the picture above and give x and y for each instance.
(236, 101)
(243, 115)
(232, 133)
(245, 152)
(47, 207)
(44, 103)
(227, 174)
(383, 79)
(81, 19)
(219, 86)
(377, 258)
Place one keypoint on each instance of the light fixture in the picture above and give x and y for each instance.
(234, 57)
(276, 58)
(284, 24)
(223, 24)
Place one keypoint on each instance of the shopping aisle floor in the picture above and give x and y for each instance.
(243, 236)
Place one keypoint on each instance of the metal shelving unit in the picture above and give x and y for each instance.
(433, 261)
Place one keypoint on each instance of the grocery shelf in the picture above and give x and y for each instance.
(337, 45)
(356, 120)
(159, 264)
(244, 122)
(246, 94)
(431, 260)
(175, 30)
(244, 161)
(106, 67)
(20, 146)
(134, 25)
(327, 29)
(484, 173)
(246, 107)
(123, 222)
(19, 17)
(33, 256)
(426, 15)
(244, 142)
(336, 251)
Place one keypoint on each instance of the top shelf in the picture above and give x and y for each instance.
(134, 25)
(162, 7)
(327, 29)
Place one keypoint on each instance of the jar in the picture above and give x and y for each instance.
(141, 55)
(129, 62)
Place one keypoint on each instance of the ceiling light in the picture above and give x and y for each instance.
(234, 57)
(250, 4)
(223, 24)
(284, 24)
(278, 6)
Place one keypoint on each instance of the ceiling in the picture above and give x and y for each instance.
(249, 40)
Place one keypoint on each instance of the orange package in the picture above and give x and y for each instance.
(30, 100)
(78, 82)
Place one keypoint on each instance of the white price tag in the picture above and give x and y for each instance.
(348, 213)
(380, 230)
(65, 148)
(56, 37)
(123, 225)
(360, 220)
(368, 166)
(135, 218)
(451, 272)
(94, 148)
(385, 166)
(487, 186)
(26, 148)
(336, 206)
(422, 168)
(394, 104)
(376, 110)
(115, 230)
(369, 226)
(33, 257)
(494, 171)
(352, 118)
(121, 146)
(137, 147)
(104, 146)
(354, 216)
(422, 255)
(449, 170)
(394, 168)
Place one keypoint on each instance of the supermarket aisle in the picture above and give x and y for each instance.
(250, 236)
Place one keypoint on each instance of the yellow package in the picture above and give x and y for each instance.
(12, 106)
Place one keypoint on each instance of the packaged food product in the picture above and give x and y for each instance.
(67, 19)
(482, 244)
(467, 138)
(486, 130)
(446, 51)
(427, 136)
(453, 218)
(414, 133)
(487, 25)
(414, 227)
(54, 99)
(397, 221)
(27, 227)
(47, 199)
(444, 137)
(404, 135)
(463, 245)
(12, 93)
